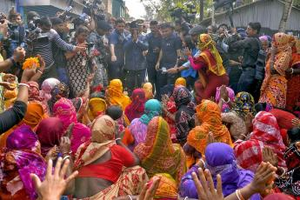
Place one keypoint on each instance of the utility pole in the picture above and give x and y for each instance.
(201, 10)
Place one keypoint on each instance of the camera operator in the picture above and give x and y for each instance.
(41, 43)
(101, 52)
(16, 32)
(135, 61)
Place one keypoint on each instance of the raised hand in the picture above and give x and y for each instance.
(205, 186)
(270, 156)
(54, 184)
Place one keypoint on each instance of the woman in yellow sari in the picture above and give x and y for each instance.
(115, 95)
(274, 88)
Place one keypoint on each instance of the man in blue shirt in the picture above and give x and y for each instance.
(117, 41)
(154, 40)
(135, 61)
(168, 57)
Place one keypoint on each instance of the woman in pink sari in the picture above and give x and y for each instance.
(65, 111)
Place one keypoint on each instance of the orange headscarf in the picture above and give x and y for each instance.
(180, 82)
(115, 96)
(295, 44)
(209, 115)
(148, 88)
(34, 115)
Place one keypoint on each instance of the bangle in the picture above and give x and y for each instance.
(130, 197)
(66, 157)
(12, 60)
(68, 153)
(40, 71)
(239, 195)
(117, 139)
(292, 70)
(24, 84)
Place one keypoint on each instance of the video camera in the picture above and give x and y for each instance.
(188, 13)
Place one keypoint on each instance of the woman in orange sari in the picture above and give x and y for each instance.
(274, 87)
(209, 64)
(293, 85)
(209, 115)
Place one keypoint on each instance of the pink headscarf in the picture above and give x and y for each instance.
(231, 96)
(65, 111)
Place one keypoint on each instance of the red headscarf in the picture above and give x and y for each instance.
(136, 108)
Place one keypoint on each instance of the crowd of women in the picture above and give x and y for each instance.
(207, 144)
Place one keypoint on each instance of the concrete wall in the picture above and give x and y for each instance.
(5, 5)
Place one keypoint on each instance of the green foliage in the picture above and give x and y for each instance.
(159, 9)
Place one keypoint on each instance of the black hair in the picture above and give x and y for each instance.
(255, 26)
(115, 112)
(81, 29)
(260, 107)
(45, 21)
(119, 21)
(166, 25)
(294, 134)
(153, 23)
(188, 41)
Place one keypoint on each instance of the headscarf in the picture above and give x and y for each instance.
(152, 109)
(34, 115)
(114, 94)
(103, 137)
(23, 155)
(148, 88)
(282, 58)
(47, 87)
(244, 103)
(97, 106)
(136, 108)
(158, 154)
(266, 129)
(220, 159)
(65, 111)
(182, 96)
(211, 55)
(180, 82)
(60, 90)
(167, 188)
(209, 114)
(231, 96)
(265, 133)
(34, 92)
(49, 132)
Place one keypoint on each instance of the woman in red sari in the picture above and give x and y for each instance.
(209, 64)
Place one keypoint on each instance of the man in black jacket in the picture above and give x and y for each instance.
(251, 46)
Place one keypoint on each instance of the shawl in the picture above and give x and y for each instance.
(209, 115)
(115, 96)
(158, 154)
(34, 92)
(97, 106)
(103, 137)
(136, 108)
(167, 187)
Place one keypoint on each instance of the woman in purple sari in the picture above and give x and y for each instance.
(220, 159)
(21, 157)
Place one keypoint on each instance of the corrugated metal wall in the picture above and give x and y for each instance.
(5, 5)
(267, 12)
